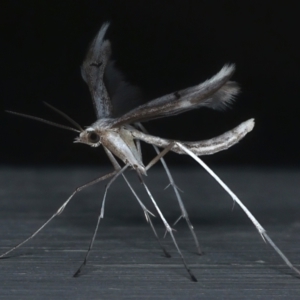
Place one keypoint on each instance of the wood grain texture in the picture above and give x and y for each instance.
(126, 262)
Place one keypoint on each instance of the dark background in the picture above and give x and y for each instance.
(161, 46)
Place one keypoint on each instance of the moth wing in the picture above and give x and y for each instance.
(216, 92)
(124, 96)
(92, 71)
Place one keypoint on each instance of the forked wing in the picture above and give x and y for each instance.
(215, 92)
(92, 72)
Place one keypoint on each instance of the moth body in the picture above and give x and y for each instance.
(117, 140)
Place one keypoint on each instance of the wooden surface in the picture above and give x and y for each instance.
(126, 262)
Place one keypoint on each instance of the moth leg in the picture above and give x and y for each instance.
(184, 213)
(101, 215)
(139, 148)
(168, 228)
(147, 213)
(60, 210)
(148, 219)
(260, 229)
(160, 155)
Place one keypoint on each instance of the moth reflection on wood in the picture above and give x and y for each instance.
(119, 130)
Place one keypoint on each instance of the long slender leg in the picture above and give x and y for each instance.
(60, 210)
(169, 229)
(139, 148)
(260, 229)
(148, 219)
(159, 156)
(184, 213)
(145, 210)
(101, 215)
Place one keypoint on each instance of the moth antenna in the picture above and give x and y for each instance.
(64, 115)
(42, 120)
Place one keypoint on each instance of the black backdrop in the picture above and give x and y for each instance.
(160, 46)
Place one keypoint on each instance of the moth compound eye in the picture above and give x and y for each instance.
(93, 137)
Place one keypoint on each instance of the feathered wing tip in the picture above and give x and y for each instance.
(218, 90)
(112, 95)
(98, 50)
(224, 97)
(214, 92)
(226, 72)
(100, 37)
(92, 72)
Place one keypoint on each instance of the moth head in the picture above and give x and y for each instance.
(90, 137)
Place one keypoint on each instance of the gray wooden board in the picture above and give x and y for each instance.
(126, 261)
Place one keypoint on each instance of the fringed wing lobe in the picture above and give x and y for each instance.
(92, 72)
(215, 92)
(223, 97)
(199, 148)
